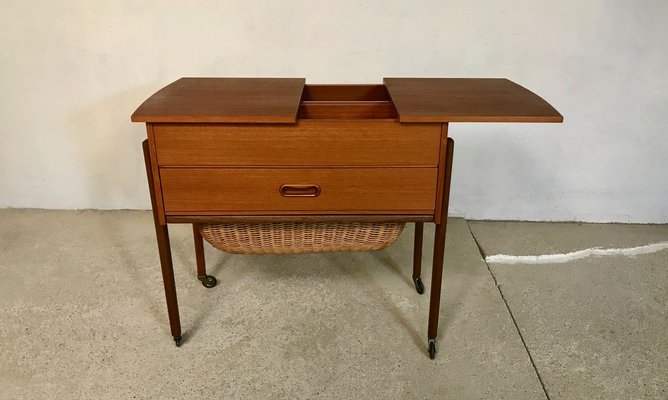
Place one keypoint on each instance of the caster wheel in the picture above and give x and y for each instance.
(419, 286)
(208, 281)
(432, 349)
(177, 341)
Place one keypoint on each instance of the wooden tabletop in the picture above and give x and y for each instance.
(276, 100)
(224, 100)
(467, 100)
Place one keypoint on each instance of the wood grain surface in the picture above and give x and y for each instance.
(264, 100)
(296, 216)
(306, 143)
(359, 110)
(467, 100)
(345, 93)
(349, 190)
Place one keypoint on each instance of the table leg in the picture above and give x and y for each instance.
(439, 252)
(417, 258)
(162, 235)
(207, 280)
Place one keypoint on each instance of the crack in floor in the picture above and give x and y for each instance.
(576, 255)
(517, 327)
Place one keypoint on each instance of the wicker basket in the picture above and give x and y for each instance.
(300, 237)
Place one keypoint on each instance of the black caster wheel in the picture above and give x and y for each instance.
(177, 341)
(419, 286)
(208, 281)
(432, 349)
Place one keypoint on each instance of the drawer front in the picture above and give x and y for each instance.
(202, 191)
(336, 143)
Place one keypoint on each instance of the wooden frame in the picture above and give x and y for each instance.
(162, 234)
(218, 128)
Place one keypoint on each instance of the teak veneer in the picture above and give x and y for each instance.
(227, 150)
(304, 143)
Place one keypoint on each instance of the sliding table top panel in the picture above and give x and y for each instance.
(467, 100)
(204, 100)
(285, 100)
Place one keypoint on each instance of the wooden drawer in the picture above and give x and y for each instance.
(308, 142)
(202, 191)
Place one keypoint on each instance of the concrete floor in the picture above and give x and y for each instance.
(82, 315)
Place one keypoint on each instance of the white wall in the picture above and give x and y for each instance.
(72, 72)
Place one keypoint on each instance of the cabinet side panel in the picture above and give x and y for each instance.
(441, 173)
(156, 174)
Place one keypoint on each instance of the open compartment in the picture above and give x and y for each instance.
(346, 102)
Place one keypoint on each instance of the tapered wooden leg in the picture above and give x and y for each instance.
(439, 252)
(417, 258)
(207, 280)
(162, 235)
(168, 280)
(199, 251)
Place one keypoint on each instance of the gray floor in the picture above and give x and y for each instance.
(82, 315)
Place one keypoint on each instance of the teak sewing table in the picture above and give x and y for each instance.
(271, 150)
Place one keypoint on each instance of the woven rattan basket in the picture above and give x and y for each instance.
(300, 237)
